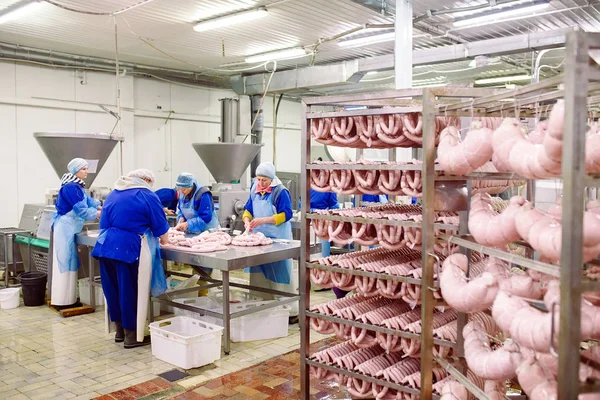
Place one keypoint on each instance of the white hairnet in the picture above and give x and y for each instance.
(142, 173)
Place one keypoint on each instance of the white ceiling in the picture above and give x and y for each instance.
(167, 24)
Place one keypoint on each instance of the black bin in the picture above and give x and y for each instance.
(33, 285)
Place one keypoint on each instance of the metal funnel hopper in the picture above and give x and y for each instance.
(226, 161)
(60, 148)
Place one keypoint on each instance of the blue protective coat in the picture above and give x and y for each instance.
(168, 198)
(73, 208)
(199, 213)
(382, 198)
(259, 206)
(323, 201)
(128, 215)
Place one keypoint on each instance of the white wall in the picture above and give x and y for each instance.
(39, 99)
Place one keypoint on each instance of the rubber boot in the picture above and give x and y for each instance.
(120, 334)
(131, 340)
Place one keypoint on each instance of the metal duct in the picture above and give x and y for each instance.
(10, 51)
(256, 132)
(230, 120)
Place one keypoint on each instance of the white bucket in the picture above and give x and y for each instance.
(9, 298)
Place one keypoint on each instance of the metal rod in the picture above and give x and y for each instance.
(367, 167)
(368, 274)
(573, 172)
(226, 313)
(428, 236)
(304, 282)
(462, 379)
(370, 111)
(375, 221)
(545, 268)
(363, 377)
(376, 328)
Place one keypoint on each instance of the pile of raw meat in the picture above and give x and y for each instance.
(374, 182)
(375, 131)
(212, 242)
(388, 236)
(534, 155)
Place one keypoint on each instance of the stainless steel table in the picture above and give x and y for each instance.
(235, 258)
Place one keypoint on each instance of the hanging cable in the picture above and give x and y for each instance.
(119, 11)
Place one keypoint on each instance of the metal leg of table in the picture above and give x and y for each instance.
(226, 312)
(14, 263)
(150, 310)
(91, 275)
(6, 269)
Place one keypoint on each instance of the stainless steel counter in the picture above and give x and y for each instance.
(234, 258)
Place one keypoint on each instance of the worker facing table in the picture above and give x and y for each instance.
(128, 250)
(195, 211)
(268, 211)
(73, 208)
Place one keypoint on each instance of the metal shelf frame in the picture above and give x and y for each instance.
(578, 81)
(428, 101)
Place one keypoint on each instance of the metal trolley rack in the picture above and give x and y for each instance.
(581, 78)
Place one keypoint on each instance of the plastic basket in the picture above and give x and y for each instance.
(186, 342)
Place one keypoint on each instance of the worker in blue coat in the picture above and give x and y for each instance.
(323, 201)
(269, 210)
(132, 223)
(169, 199)
(73, 208)
(373, 198)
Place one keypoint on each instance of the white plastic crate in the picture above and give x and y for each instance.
(267, 324)
(84, 291)
(204, 302)
(186, 342)
(235, 296)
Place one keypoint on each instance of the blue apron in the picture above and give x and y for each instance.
(262, 206)
(188, 211)
(65, 228)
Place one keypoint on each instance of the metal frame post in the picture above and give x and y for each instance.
(428, 235)
(304, 284)
(573, 172)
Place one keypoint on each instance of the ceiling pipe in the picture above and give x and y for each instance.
(12, 52)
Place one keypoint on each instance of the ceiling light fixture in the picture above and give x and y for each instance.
(18, 10)
(431, 85)
(485, 17)
(284, 54)
(372, 72)
(502, 79)
(230, 19)
(366, 40)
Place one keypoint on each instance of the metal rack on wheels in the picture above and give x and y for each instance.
(425, 101)
(580, 79)
(581, 82)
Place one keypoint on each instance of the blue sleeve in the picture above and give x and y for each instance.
(158, 221)
(204, 208)
(333, 202)
(74, 194)
(92, 202)
(248, 206)
(284, 204)
(179, 213)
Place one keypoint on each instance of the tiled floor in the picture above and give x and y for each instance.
(45, 356)
(274, 379)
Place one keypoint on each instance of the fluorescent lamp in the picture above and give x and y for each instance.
(372, 72)
(277, 55)
(487, 17)
(430, 85)
(366, 40)
(488, 7)
(18, 10)
(230, 19)
(502, 79)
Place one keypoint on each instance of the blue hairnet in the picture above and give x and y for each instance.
(185, 180)
(266, 169)
(76, 164)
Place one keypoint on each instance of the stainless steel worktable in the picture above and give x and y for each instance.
(235, 258)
